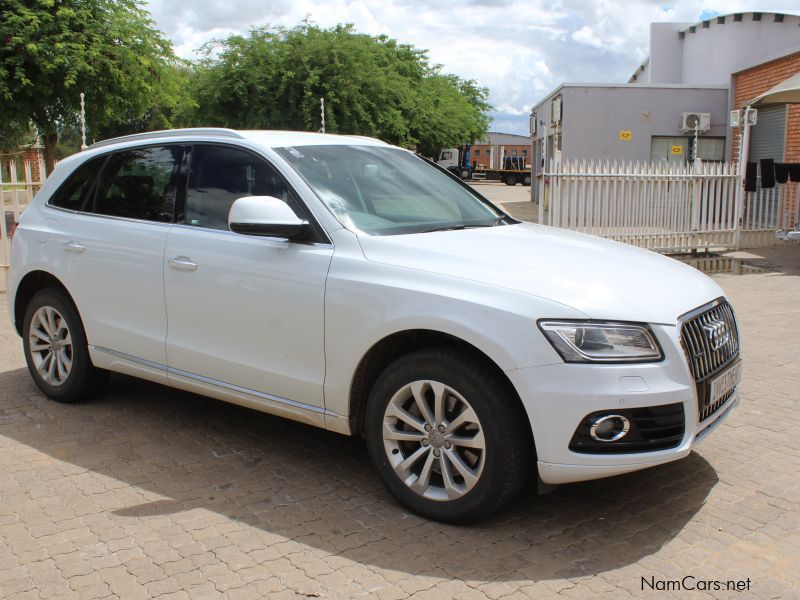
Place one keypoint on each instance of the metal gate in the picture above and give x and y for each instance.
(664, 207)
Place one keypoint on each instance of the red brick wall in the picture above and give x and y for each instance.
(750, 83)
(483, 158)
(33, 155)
(18, 157)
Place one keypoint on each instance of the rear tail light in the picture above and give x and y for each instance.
(11, 231)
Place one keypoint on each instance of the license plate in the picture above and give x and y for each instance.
(724, 383)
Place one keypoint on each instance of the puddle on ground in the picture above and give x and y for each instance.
(714, 265)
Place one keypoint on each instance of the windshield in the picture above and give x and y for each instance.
(388, 191)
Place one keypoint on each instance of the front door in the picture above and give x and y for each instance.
(244, 312)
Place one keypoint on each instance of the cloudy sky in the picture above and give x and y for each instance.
(519, 49)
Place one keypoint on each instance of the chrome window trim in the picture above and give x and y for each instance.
(100, 216)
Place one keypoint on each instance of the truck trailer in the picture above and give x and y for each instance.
(512, 171)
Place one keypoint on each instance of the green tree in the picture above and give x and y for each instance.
(274, 78)
(451, 112)
(52, 50)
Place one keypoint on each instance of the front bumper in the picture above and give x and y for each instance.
(557, 397)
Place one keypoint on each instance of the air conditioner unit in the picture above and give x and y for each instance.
(693, 121)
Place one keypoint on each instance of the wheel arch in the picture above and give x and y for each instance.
(31, 283)
(393, 346)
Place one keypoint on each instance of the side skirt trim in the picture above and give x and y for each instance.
(217, 383)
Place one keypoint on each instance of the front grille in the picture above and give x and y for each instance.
(652, 428)
(710, 339)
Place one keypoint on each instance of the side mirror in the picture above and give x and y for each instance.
(267, 217)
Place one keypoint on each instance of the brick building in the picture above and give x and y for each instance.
(749, 83)
(489, 153)
(776, 134)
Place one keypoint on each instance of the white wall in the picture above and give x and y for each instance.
(711, 55)
(594, 114)
(666, 54)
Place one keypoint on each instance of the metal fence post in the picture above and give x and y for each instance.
(744, 151)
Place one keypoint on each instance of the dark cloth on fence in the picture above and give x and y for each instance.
(794, 172)
(767, 173)
(750, 174)
(781, 172)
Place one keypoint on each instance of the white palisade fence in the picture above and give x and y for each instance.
(17, 188)
(662, 207)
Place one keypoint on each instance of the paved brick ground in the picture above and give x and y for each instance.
(147, 492)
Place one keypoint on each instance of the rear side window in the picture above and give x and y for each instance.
(74, 191)
(220, 175)
(139, 184)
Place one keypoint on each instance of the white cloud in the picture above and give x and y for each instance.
(519, 49)
(586, 35)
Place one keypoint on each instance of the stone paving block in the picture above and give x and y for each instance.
(148, 492)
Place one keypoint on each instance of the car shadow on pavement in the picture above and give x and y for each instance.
(319, 489)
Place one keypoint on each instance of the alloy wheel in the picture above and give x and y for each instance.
(434, 440)
(50, 344)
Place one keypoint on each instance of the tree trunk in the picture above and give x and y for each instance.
(50, 141)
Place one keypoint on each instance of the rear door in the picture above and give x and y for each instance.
(110, 252)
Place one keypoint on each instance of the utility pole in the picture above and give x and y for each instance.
(322, 112)
(83, 123)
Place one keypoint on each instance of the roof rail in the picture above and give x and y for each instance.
(149, 135)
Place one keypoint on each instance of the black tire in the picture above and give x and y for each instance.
(83, 378)
(509, 452)
(510, 179)
(526, 180)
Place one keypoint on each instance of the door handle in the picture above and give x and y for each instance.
(183, 263)
(73, 246)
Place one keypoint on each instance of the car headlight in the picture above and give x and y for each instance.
(588, 341)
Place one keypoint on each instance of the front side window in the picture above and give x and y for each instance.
(219, 175)
(75, 190)
(139, 184)
(385, 191)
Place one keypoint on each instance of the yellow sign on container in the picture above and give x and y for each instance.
(677, 149)
(625, 135)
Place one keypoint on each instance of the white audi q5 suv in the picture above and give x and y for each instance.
(352, 285)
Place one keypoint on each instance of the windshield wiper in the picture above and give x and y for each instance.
(494, 223)
(444, 228)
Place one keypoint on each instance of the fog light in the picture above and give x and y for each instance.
(609, 428)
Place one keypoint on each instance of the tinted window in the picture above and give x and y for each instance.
(219, 175)
(74, 190)
(139, 184)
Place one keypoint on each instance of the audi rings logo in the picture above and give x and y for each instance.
(717, 333)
